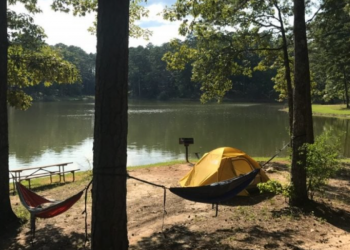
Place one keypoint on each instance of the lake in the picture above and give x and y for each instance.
(54, 132)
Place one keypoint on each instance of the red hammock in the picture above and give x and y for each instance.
(34, 204)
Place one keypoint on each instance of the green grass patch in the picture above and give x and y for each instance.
(81, 176)
(345, 160)
(334, 110)
(339, 110)
(161, 164)
(265, 159)
(21, 212)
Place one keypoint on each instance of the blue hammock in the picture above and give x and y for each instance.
(216, 192)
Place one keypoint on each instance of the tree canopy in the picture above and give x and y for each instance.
(31, 61)
(81, 8)
(330, 50)
(227, 34)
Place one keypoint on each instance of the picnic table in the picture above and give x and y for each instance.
(29, 173)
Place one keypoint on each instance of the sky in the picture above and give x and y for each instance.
(67, 29)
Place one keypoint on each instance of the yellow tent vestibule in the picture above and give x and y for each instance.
(222, 164)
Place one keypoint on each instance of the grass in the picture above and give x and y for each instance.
(345, 160)
(86, 175)
(334, 110)
(160, 164)
(331, 110)
(265, 159)
(83, 176)
(22, 213)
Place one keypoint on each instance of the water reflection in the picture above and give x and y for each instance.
(58, 132)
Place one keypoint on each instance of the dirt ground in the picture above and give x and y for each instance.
(256, 222)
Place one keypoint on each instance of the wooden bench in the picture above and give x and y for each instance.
(42, 171)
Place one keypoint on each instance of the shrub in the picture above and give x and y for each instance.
(322, 162)
(275, 187)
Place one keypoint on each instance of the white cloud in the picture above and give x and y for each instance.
(155, 11)
(66, 28)
(70, 30)
(163, 30)
(63, 27)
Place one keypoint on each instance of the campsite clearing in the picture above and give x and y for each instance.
(250, 222)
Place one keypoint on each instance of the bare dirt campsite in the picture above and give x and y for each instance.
(260, 221)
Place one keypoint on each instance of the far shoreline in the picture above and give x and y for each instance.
(328, 110)
(321, 110)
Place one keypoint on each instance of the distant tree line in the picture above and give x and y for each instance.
(233, 65)
(149, 78)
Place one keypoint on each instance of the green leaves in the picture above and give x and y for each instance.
(19, 99)
(78, 7)
(275, 187)
(227, 35)
(322, 161)
(83, 7)
(22, 30)
(30, 5)
(27, 68)
(30, 60)
(330, 49)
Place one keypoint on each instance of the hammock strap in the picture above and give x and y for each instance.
(279, 151)
(147, 182)
(131, 177)
(156, 185)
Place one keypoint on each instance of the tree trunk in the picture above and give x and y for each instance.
(302, 114)
(346, 136)
(109, 218)
(6, 214)
(287, 71)
(346, 89)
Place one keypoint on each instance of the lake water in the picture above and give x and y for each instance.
(55, 132)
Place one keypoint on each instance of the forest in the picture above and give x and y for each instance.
(296, 51)
(151, 78)
(240, 66)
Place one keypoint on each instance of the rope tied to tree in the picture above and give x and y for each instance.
(156, 185)
(130, 177)
(279, 151)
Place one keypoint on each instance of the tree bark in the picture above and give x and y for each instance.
(287, 71)
(346, 89)
(109, 218)
(6, 214)
(302, 114)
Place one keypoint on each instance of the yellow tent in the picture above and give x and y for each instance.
(222, 164)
